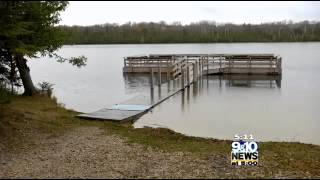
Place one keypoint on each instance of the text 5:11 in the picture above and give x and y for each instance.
(243, 137)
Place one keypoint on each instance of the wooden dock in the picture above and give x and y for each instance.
(182, 70)
(207, 63)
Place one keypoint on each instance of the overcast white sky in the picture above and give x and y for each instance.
(97, 12)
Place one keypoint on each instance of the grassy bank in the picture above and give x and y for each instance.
(25, 118)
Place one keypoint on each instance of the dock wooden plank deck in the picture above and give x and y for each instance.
(111, 114)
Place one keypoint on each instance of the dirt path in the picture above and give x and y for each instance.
(87, 152)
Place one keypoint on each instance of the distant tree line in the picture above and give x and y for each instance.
(200, 32)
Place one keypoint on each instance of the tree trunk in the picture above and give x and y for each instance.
(24, 72)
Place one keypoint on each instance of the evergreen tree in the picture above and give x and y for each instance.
(27, 30)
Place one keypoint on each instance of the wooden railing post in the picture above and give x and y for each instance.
(271, 59)
(159, 71)
(199, 68)
(250, 65)
(168, 70)
(194, 67)
(207, 64)
(230, 65)
(202, 65)
(279, 65)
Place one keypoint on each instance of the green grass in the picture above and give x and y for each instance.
(166, 139)
(4, 96)
(37, 115)
(273, 156)
(22, 118)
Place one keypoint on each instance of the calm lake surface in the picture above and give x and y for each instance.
(284, 110)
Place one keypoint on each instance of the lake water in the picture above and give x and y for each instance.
(284, 110)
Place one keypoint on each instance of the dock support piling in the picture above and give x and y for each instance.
(159, 82)
(182, 79)
(151, 78)
(152, 95)
(199, 68)
(188, 75)
(202, 66)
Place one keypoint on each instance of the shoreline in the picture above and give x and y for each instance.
(257, 42)
(39, 125)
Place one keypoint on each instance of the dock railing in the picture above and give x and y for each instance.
(207, 63)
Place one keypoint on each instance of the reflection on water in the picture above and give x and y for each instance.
(141, 83)
(208, 83)
(263, 81)
(148, 94)
(223, 105)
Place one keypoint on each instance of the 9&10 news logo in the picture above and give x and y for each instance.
(244, 151)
